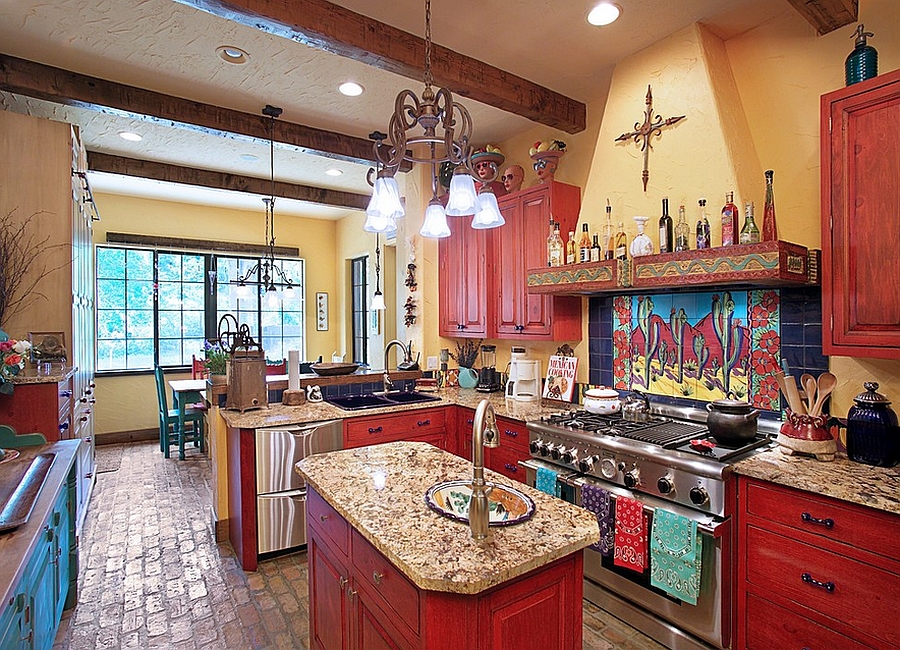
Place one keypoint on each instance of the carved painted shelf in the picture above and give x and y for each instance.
(770, 264)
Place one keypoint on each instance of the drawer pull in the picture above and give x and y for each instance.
(377, 577)
(344, 582)
(511, 433)
(323, 518)
(827, 586)
(65, 393)
(828, 522)
(510, 467)
(423, 423)
(89, 475)
(64, 426)
(470, 421)
(351, 593)
(375, 429)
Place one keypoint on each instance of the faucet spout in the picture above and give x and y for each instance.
(484, 434)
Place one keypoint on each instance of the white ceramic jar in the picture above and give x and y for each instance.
(603, 401)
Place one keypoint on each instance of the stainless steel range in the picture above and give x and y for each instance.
(668, 462)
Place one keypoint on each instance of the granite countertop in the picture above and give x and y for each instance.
(434, 552)
(57, 374)
(280, 415)
(875, 487)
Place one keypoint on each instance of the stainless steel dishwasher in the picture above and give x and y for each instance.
(280, 490)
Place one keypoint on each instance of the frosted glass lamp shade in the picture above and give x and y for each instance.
(271, 299)
(377, 301)
(289, 292)
(243, 291)
(435, 225)
(463, 200)
(384, 207)
(488, 215)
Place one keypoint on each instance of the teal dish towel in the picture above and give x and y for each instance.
(546, 481)
(675, 555)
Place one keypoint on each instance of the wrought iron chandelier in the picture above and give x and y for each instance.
(265, 274)
(446, 137)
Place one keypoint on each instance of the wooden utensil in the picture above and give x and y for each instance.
(808, 382)
(791, 394)
(826, 384)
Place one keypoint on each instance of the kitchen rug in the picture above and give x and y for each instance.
(108, 458)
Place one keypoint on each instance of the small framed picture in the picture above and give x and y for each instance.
(48, 346)
(321, 311)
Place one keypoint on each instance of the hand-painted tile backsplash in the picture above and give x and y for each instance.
(698, 346)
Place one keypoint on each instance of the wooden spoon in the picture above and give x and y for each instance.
(826, 384)
(808, 382)
(789, 388)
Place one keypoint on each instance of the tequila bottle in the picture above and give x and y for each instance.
(682, 232)
(584, 245)
(555, 247)
(729, 221)
(621, 243)
(571, 254)
(703, 239)
(749, 233)
(596, 251)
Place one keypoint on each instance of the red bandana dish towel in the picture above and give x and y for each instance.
(631, 535)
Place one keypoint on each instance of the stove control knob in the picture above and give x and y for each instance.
(543, 448)
(586, 465)
(556, 451)
(665, 485)
(608, 468)
(534, 446)
(699, 495)
(632, 477)
(570, 455)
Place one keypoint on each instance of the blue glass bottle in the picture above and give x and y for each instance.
(862, 62)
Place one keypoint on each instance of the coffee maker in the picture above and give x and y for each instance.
(524, 383)
(488, 378)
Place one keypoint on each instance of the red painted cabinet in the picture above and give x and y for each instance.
(424, 425)
(814, 572)
(860, 217)
(463, 281)
(521, 244)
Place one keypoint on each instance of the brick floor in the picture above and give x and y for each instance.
(152, 576)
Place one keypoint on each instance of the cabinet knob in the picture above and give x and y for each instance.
(377, 577)
(423, 423)
(344, 582)
(65, 393)
(64, 426)
(520, 328)
(351, 593)
(323, 518)
(828, 522)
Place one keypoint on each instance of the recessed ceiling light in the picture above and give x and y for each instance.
(249, 157)
(231, 54)
(604, 14)
(351, 89)
(331, 171)
(130, 136)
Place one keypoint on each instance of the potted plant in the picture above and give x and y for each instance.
(215, 361)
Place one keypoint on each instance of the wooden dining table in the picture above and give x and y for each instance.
(184, 392)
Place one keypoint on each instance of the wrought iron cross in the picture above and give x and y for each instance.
(652, 125)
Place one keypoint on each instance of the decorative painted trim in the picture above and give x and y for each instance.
(585, 277)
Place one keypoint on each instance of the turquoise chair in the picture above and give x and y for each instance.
(169, 433)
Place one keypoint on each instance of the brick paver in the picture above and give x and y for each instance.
(153, 577)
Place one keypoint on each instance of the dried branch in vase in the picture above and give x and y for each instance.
(466, 353)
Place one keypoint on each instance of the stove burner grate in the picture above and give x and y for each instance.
(667, 433)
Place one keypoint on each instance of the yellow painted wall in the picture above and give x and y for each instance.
(128, 403)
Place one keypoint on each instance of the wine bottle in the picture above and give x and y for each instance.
(571, 254)
(702, 227)
(610, 241)
(584, 245)
(550, 244)
(749, 233)
(596, 251)
(729, 221)
(769, 229)
(666, 244)
(556, 247)
(682, 231)
(621, 246)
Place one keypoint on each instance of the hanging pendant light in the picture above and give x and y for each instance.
(378, 298)
(488, 215)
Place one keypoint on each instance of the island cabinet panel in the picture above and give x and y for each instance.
(860, 193)
(520, 244)
(831, 569)
(328, 621)
(462, 281)
(513, 448)
(411, 425)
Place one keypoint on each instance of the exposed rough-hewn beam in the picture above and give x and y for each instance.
(101, 162)
(827, 15)
(332, 28)
(73, 89)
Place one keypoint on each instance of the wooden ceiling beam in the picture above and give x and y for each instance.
(72, 89)
(827, 15)
(101, 162)
(329, 27)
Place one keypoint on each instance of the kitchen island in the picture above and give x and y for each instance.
(387, 571)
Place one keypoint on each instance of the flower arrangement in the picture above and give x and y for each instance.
(466, 353)
(12, 359)
(215, 358)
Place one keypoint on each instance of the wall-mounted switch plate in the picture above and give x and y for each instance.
(431, 363)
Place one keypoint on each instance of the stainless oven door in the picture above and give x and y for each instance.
(621, 589)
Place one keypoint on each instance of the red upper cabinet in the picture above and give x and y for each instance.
(462, 280)
(521, 244)
(860, 219)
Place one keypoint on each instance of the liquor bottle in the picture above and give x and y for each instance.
(584, 245)
(769, 229)
(621, 245)
(571, 254)
(729, 221)
(555, 247)
(610, 241)
(666, 244)
(596, 251)
(703, 239)
(749, 233)
(682, 230)
(550, 244)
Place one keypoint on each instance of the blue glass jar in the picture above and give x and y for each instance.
(873, 437)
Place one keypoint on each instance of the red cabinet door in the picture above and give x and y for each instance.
(328, 579)
(860, 195)
(462, 280)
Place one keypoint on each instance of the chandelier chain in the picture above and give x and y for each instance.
(429, 79)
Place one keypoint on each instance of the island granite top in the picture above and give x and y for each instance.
(434, 552)
(875, 487)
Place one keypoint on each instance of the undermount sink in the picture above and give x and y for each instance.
(506, 505)
(372, 400)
